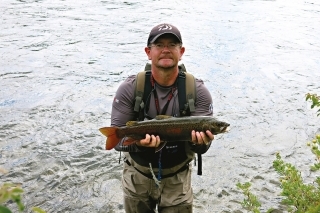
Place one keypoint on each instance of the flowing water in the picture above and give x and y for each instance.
(62, 61)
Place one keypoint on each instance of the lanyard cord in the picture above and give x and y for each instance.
(156, 100)
(160, 166)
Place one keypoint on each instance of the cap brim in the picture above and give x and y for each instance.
(157, 36)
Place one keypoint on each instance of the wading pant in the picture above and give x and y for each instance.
(142, 195)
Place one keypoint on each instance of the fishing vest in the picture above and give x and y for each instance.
(186, 82)
(186, 96)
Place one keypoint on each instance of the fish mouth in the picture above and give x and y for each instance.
(224, 129)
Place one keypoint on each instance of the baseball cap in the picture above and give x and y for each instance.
(161, 29)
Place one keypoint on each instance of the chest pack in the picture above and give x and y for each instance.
(186, 95)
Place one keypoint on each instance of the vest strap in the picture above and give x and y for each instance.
(183, 168)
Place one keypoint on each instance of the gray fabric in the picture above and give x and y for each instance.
(176, 209)
(122, 107)
(141, 194)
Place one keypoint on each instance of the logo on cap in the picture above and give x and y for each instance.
(165, 27)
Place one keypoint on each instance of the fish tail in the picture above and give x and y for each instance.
(111, 133)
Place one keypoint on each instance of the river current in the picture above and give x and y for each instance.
(62, 61)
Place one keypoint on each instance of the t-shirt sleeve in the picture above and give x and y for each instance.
(122, 105)
(122, 110)
(203, 107)
(203, 102)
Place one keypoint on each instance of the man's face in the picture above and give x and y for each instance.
(165, 52)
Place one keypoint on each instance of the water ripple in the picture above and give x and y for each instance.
(62, 61)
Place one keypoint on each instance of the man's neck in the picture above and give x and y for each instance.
(165, 77)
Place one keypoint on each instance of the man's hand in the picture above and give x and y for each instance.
(201, 137)
(149, 141)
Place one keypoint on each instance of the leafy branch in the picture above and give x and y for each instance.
(250, 202)
(315, 149)
(315, 143)
(315, 101)
(10, 191)
(298, 196)
(13, 192)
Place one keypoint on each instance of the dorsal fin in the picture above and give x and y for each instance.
(131, 123)
(162, 117)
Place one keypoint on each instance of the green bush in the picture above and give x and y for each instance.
(13, 192)
(298, 196)
(10, 191)
(315, 101)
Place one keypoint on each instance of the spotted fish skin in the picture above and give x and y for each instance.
(166, 127)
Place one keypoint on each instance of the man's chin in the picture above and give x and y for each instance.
(167, 65)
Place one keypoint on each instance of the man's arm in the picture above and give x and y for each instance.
(122, 112)
(201, 141)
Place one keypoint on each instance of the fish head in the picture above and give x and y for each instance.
(217, 127)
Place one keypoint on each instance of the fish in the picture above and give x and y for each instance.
(168, 128)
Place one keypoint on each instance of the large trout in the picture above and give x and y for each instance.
(168, 128)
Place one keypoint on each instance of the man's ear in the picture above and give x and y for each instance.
(182, 50)
(147, 50)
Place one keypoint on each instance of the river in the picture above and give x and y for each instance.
(62, 61)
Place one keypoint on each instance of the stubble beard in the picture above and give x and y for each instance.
(165, 67)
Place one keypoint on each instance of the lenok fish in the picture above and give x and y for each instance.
(166, 127)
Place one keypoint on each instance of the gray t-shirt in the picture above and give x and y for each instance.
(122, 111)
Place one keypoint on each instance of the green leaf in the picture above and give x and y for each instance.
(38, 210)
(4, 196)
(4, 210)
(270, 210)
(17, 191)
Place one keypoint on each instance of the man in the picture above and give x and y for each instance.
(172, 193)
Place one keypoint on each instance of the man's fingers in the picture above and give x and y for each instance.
(157, 141)
(153, 141)
(150, 141)
(201, 137)
(204, 137)
(210, 135)
(196, 137)
(147, 140)
(193, 136)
